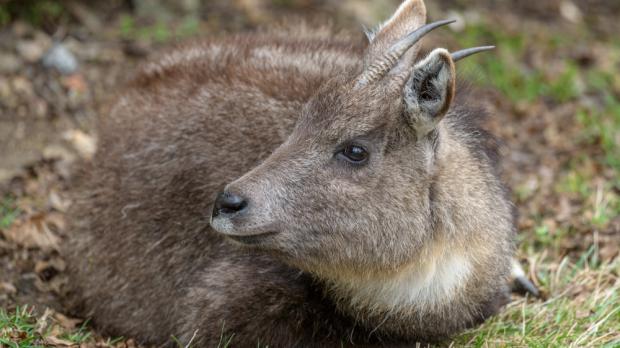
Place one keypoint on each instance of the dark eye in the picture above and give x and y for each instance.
(354, 154)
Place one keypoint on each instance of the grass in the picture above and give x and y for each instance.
(599, 197)
(582, 306)
(160, 31)
(8, 212)
(601, 128)
(582, 310)
(24, 328)
(35, 12)
(593, 176)
(18, 329)
(81, 335)
(505, 70)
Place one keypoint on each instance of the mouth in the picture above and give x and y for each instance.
(254, 239)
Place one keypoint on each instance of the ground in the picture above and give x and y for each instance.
(551, 86)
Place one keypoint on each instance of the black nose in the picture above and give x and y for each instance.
(228, 203)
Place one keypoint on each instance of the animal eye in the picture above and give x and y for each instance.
(354, 154)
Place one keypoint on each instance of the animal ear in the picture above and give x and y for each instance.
(429, 91)
(410, 15)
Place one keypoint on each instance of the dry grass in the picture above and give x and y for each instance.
(582, 309)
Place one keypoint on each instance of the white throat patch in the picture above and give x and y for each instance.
(423, 287)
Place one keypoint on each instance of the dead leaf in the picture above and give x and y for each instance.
(48, 269)
(609, 251)
(55, 220)
(565, 210)
(67, 322)
(84, 144)
(57, 202)
(75, 83)
(583, 313)
(57, 152)
(58, 342)
(33, 233)
(43, 322)
(7, 288)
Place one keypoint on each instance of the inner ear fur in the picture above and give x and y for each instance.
(429, 91)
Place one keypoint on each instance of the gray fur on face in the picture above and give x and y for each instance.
(415, 244)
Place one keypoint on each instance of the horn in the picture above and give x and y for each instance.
(381, 66)
(458, 55)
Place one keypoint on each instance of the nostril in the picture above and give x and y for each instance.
(228, 203)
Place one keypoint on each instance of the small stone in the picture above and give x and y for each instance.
(7, 97)
(7, 288)
(23, 86)
(570, 11)
(9, 63)
(30, 50)
(39, 107)
(22, 29)
(61, 59)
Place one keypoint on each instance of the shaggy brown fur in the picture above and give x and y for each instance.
(414, 245)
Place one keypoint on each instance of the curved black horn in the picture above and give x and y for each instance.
(458, 55)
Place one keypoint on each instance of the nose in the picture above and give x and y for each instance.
(228, 203)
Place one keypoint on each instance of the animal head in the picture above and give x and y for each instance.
(349, 190)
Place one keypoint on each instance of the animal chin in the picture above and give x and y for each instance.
(252, 239)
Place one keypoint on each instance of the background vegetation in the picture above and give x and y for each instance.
(551, 86)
